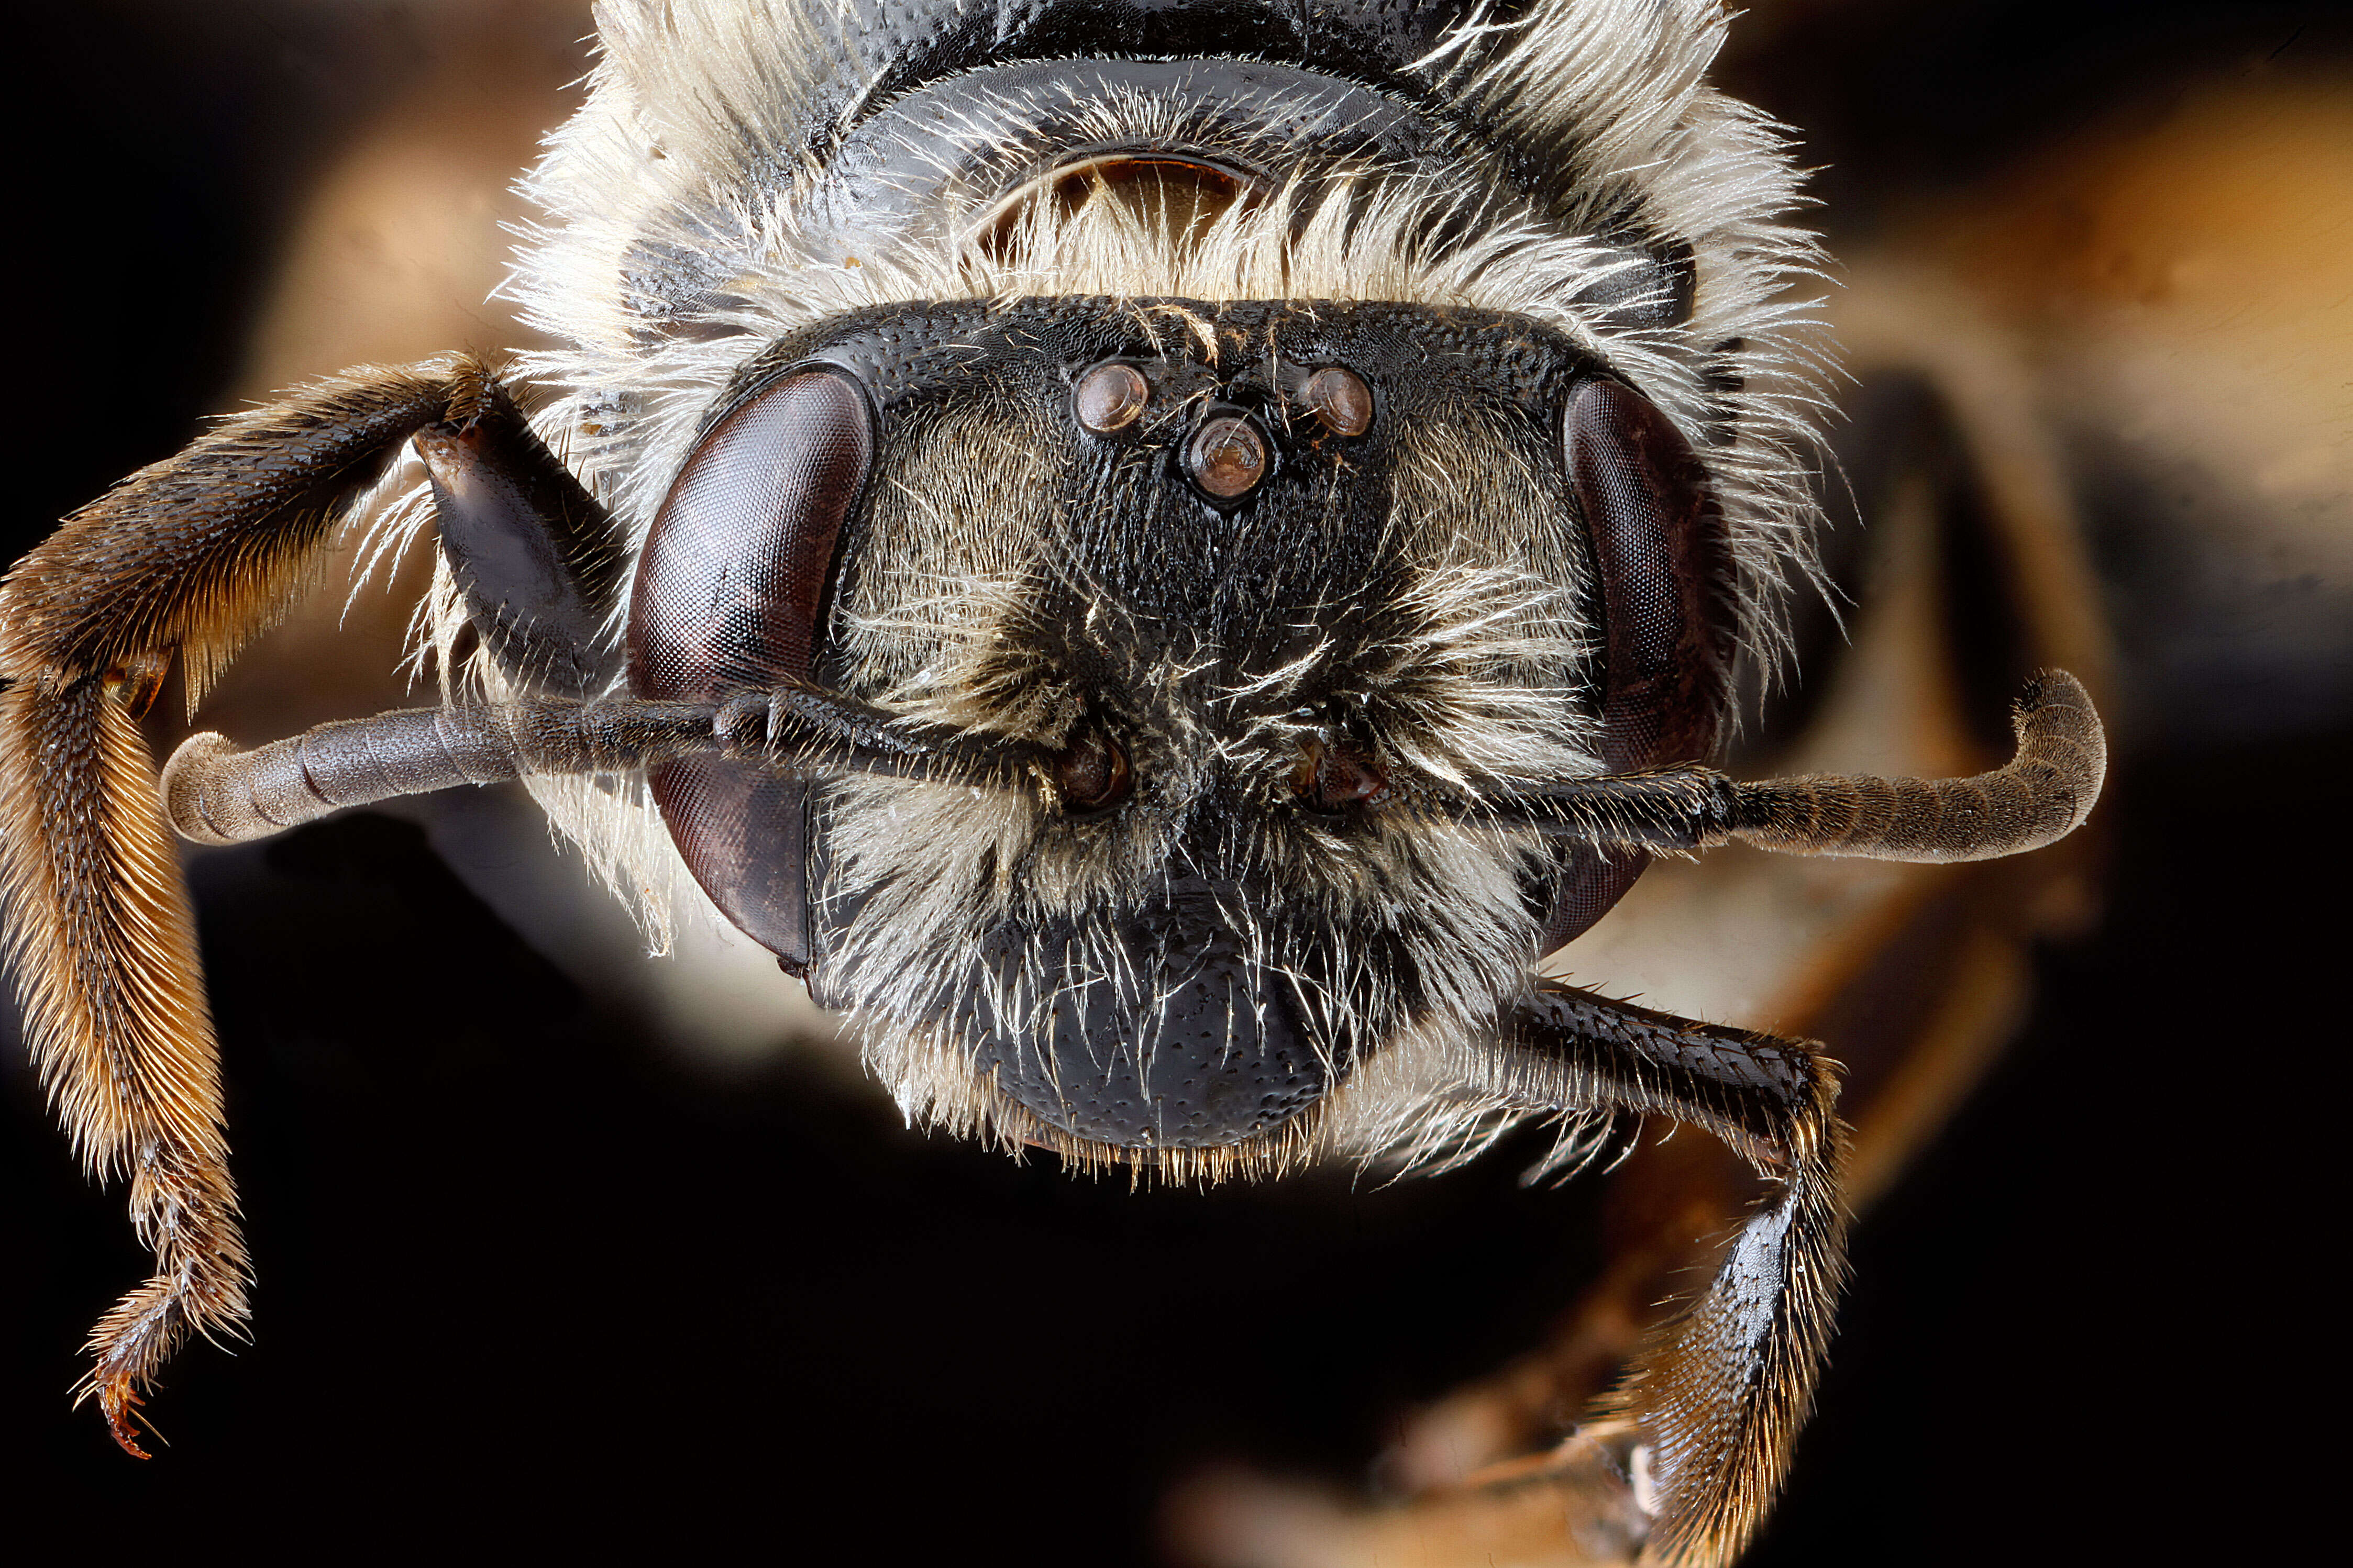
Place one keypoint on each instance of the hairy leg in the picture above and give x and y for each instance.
(1721, 1391)
(188, 558)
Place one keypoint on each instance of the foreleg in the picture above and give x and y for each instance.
(188, 558)
(1721, 1390)
(540, 562)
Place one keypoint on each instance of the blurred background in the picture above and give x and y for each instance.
(553, 1235)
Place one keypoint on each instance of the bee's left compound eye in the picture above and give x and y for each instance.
(730, 593)
(1667, 611)
(1665, 578)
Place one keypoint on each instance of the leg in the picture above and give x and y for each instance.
(189, 557)
(1720, 1392)
(539, 561)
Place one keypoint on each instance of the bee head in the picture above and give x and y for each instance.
(1274, 588)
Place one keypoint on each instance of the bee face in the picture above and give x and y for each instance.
(1288, 445)
(1271, 584)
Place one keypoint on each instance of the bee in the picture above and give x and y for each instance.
(1159, 580)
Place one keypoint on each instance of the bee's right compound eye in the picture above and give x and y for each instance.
(731, 592)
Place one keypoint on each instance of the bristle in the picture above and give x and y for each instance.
(104, 953)
(1724, 1389)
(191, 556)
(694, 118)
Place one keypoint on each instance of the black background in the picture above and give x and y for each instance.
(518, 1262)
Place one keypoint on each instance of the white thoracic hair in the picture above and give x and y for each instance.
(687, 165)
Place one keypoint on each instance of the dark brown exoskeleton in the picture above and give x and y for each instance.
(1160, 583)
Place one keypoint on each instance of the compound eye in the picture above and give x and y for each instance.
(1667, 610)
(1112, 397)
(732, 587)
(1093, 775)
(731, 592)
(1665, 572)
(1226, 457)
(1340, 399)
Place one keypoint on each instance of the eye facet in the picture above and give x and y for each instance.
(1340, 399)
(731, 592)
(1668, 623)
(1665, 576)
(1111, 397)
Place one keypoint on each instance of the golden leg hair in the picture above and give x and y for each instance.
(105, 955)
(190, 558)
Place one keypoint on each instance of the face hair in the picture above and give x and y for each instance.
(979, 834)
(672, 253)
(933, 874)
